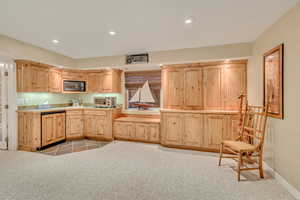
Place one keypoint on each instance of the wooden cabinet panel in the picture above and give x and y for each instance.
(124, 130)
(214, 128)
(233, 127)
(172, 129)
(74, 125)
(40, 78)
(193, 130)
(212, 88)
(55, 81)
(74, 75)
(141, 131)
(48, 129)
(193, 98)
(172, 80)
(94, 125)
(94, 82)
(154, 130)
(233, 85)
(60, 126)
(53, 128)
(32, 77)
(29, 131)
(106, 82)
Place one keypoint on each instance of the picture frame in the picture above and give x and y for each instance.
(273, 61)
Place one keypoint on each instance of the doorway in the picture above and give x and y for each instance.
(3, 106)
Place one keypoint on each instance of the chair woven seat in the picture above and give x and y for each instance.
(239, 146)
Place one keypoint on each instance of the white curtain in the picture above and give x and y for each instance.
(3, 105)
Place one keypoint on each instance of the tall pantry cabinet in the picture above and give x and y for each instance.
(213, 86)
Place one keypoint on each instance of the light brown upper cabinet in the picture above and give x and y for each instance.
(233, 85)
(110, 81)
(94, 82)
(193, 88)
(74, 75)
(172, 84)
(207, 86)
(55, 83)
(104, 81)
(38, 77)
(212, 88)
(32, 76)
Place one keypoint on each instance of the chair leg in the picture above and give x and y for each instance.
(239, 166)
(221, 153)
(261, 171)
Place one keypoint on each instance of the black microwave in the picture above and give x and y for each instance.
(74, 86)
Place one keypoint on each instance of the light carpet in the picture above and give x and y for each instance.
(129, 171)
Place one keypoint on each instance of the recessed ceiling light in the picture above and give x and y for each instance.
(188, 21)
(112, 33)
(55, 41)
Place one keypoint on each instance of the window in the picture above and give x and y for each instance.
(143, 89)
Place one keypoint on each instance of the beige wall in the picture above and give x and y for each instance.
(15, 49)
(283, 136)
(241, 50)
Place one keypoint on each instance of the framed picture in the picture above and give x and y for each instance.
(273, 81)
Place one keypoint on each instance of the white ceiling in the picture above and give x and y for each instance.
(82, 26)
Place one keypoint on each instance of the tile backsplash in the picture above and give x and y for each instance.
(89, 98)
(35, 98)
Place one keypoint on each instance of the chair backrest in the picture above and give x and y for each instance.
(254, 125)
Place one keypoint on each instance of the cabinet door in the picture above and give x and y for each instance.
(55, 81)
(233, 84)
(193, 88)
(193, 130)
(232, 127)
(94, 84)
(212, 88)
(172, 80)
(124, 130)
(100, 125)
(20, 78)
(172, 129)
(40, 77)
(60, 126)
(214, 128)
(53, 128)
(154, 133)
(106, 82)
(74, 126)
(141, 131)
(48, 129)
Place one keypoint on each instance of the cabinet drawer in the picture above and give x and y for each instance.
(74, 112)
(94, 112)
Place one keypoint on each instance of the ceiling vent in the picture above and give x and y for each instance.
(137, 58)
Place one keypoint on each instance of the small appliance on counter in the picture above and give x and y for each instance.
(105, 102)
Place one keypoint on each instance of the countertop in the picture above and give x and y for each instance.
(37, 110)
(200, 111)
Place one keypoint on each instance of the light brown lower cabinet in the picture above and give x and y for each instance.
(74, 129)
(98, 124)
(53, 128)
(197, 130)
(29, 131)
(137, 129)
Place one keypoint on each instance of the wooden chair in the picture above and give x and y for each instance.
(248, 147)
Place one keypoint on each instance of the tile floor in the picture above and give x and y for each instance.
(73, 146)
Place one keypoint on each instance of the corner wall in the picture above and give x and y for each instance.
(282, 150)
(15, 49)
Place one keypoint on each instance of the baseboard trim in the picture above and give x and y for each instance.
(291, 189)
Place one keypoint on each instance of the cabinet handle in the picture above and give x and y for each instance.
(174, 123)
